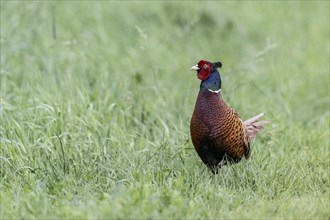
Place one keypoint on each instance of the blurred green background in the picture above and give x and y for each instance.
(96, 99)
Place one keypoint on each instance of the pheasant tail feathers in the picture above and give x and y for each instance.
(254, 125)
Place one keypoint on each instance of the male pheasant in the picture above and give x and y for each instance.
(217, 132)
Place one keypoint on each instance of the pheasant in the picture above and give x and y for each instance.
(217, 131)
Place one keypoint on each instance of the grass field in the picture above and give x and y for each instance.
(96, 100)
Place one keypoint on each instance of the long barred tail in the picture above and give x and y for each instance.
(254, 125)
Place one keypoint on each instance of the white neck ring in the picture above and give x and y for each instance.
(216, 91)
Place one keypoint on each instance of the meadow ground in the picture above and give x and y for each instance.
(96, 99)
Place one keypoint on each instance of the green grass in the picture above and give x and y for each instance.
(96, 100)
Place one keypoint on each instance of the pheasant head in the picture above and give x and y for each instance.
(208, 73)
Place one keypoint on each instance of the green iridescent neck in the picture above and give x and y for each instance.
(213, 82)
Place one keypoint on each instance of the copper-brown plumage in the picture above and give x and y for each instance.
(217, 132)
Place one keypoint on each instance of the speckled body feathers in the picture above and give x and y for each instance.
(217, 132)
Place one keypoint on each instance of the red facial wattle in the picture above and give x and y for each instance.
(203, 74)
(204, 69)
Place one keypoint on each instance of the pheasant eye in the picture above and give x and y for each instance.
(205, 66)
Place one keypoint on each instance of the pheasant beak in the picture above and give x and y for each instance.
(194, 68)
